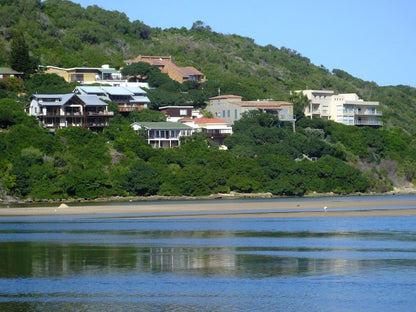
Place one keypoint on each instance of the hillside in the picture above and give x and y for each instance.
(62, 33)
(264, 154)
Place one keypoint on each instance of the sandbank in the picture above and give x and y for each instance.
(230, 209)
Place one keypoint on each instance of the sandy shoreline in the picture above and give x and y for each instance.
(231, 209)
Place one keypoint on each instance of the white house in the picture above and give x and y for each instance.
(346, 108)
(214, 128)
(163, 134)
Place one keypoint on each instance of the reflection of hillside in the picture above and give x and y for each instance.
(37, 259)
(211, 259)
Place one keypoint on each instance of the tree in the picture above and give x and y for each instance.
(142, 179)
(19, 55)
(48, 84)
(139, 69)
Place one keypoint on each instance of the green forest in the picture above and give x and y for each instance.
(264, 154)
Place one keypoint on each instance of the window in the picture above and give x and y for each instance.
(223, 113)
(183, 112)
(228, 113)
(235, 114)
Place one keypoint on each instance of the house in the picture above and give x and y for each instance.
(163, 134)
(6, 72)
(175, 113)
(69, 110)
(231, 108)
(86, 75)
(166, 66)
(128, 99)
(346, 108)
(213, 128)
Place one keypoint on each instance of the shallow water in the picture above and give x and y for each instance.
(88, 263)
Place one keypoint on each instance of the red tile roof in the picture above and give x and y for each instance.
(204, 120)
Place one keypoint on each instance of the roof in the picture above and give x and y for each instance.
(204, 120)
(132, 91)
(103, 70)
(223, 97)
(10, 71)
(108, 70)
(62, 99)
(185, 71)
(140, 99)
(173, 106)
(163, 125)
(262, 104)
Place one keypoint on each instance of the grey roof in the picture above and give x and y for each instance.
(92, 100)
(140, 99)
(90, 90)
(164, 125)
(111, 90)
(62, 99)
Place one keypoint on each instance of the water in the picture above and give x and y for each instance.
(97, 263)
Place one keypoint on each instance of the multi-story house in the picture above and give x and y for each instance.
(231, 108)
(69, 110)
(128, 99)
(176, 113)
(166, 66)
(163, 134)
(346, 108)
(213, 128)
(86, 75)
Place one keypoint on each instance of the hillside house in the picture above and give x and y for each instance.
(86, 75)
(128, 99)
(346, 108)
(231, 108)
(213, 128)
(6, 72)
(162, 134)
(175, 113)
(166, 66)
(69, 110)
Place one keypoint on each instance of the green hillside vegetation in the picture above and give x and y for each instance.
(264, 154)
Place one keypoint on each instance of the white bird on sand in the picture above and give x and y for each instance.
(325, 207)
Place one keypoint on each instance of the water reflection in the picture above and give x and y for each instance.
(221, 265)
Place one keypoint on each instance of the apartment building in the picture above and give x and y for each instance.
(346, 108)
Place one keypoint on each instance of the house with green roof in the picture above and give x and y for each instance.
(163, 134)
(6, 72)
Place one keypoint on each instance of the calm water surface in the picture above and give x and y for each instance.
(90, 263)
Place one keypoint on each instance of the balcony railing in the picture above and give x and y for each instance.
(100, 113)
(368, 122)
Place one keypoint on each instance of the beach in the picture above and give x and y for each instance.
(231, 208)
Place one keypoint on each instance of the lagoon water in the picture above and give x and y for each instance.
(113, 263)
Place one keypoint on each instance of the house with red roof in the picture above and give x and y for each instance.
(231, 108)
(166, 66)
(214, 128)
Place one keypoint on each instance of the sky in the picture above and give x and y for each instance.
(374, 40)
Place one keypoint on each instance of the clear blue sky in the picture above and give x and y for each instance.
(373, 40)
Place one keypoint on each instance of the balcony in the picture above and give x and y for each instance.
(122, 109)
(99, 114)
(217, 133)
(367, 113)
(368, 122)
